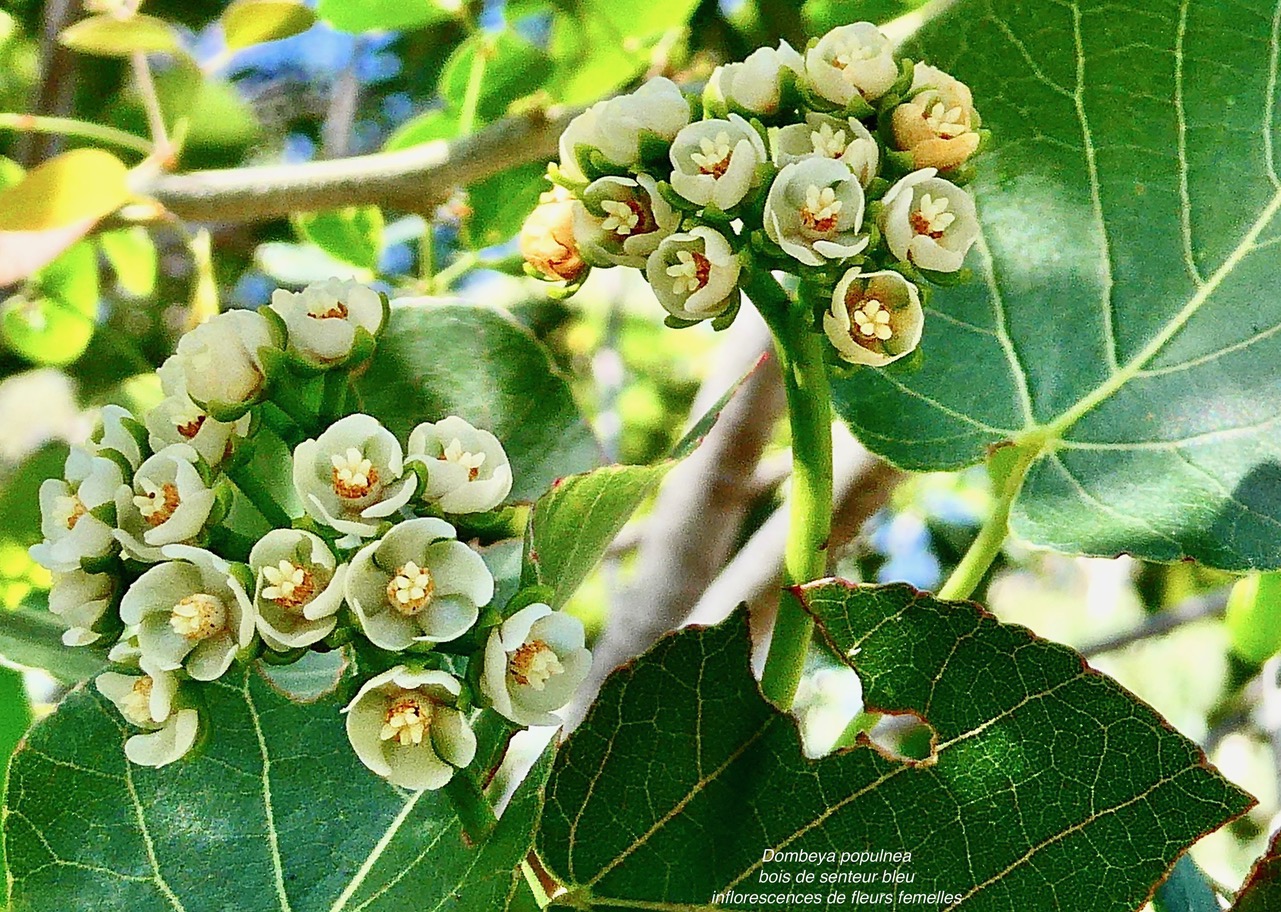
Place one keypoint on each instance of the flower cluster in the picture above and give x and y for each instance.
(156, 543)
(843, 166)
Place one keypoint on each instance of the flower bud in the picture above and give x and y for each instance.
(620, 221)
(323, 319)
(417, 584)
(121, 433)
(299, 588)
(176, 419)
(406, 726)
(167, 503)
(938, 123)
(547, 237)
(844, 139)
(73, 532)
(875, 317)
(534, 663)
(715, 161)
(220, 365)
(929, 222)
(81, 600)
(815, 211)
(148, 701)
(191, 613)
(616, 126)
(694, 274)
(756, 84)
(467, 469)
(850, 62)
(352, 476)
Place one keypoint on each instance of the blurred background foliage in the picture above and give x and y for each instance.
(88, 328)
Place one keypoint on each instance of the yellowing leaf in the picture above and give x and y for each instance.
(249, 22)
(107, 36)
(77, 185)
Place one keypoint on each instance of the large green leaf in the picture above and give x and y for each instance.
(275, 814)
(1049, 787)
(352, 235)
(441, 358)
(1121, 325)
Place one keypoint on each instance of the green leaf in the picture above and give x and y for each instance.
(107, 36)
(53, 321)
(1186, 890)
(1046, 779)
(428, 127)
(132, 254)
(574, 522)
(1262, 889)
(500, 204)
(1116, 318)
(1253, 617)
(217, 114)
(352, 235)
(276, 813)
(513, 68)
(820, 16)
(32, 637)
(83, 184)
(249, 22)
(439, 358)
(15, 716)
(380, 15)
(302, 264)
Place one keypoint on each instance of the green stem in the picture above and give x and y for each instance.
(809, 409)
(151, 104)
(474, 809)
(463, 264)
(1008, 468)
(258, 494)
(471, 97)
(333, 398)
(66, 126)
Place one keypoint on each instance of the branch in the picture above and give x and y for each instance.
(414, 180)
(1189, 611)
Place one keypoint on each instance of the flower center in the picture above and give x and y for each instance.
(136, 706)
(335, 310)
(849, 54)
(691, 272)
(289, 585)
(821, 209)
(354, 476)
(189, 420)
(69, 509)
(944, 121)
(407, 720)
(869, 319)
(713, 155)
(829, 142)
(410, 590)
(199, 616)
(468, 460)
(931, 216)
(533, 664)
(622, 218)
(157, 502)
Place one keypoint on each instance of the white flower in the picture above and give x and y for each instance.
(299, 588)
(417, 584)
(815, 211)
(534, 663)
(352, 476)
(176, 419)
(715, 161)
(220, 365)
(81, 599)
(851, 61)
(120, 431)
(467, 469)
(937, 124)
(76, 514)
(875, 317)
(694, 274)
(167, 503)
(756, 84)
(147, 701)
(620, 221)
(322, 320)
(823, 136)
(406, 726)
(616, 126)
(929, 222)
(191, 612)
(126, 651)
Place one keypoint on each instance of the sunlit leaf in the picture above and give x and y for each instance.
(107, 36)
(380, 15)
(54, 319)
(249, 22)
(353, 235)
(69, 188)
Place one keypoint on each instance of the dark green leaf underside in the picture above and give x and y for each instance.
(1131, 209)
(276, 815)
(1052, 788)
